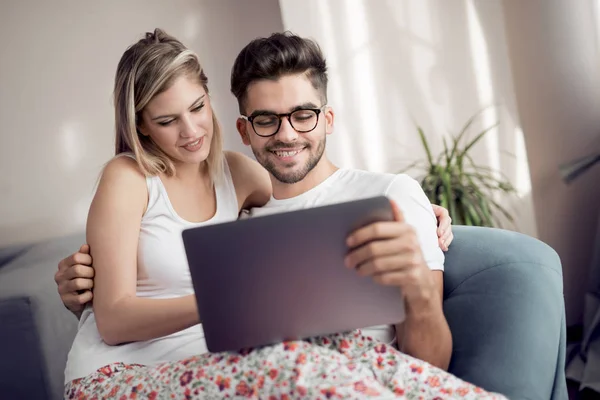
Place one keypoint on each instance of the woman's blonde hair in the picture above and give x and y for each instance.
(146, 69)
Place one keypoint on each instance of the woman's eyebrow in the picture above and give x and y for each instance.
(194, 104)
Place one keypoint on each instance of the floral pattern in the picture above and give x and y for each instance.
(340, 366)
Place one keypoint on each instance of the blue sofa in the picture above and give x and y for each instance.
(503, 301)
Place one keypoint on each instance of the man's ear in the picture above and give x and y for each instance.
(241, 125)
(329, 118)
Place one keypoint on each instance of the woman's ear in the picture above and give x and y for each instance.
(241, 125)
(141, 129)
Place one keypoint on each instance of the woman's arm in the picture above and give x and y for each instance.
(251, 180)
(113, 229)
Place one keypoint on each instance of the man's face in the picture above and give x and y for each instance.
(288, 155)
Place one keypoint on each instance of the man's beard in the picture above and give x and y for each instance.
(298, 174)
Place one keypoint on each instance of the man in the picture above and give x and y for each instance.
(280, 83)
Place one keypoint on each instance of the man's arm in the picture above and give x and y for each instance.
(75, 280)
(425, 333)
(406, 253)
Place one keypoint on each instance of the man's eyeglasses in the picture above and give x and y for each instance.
(302, 120)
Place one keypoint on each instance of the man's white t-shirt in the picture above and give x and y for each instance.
(351, 184)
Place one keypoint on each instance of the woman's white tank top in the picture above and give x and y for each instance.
(163, 272)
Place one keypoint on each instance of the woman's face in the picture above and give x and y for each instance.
(180, 121)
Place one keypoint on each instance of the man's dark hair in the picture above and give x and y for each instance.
(275, 56)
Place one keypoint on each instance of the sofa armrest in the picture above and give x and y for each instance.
(503, 299)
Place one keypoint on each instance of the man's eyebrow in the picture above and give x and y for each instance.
(296, 108)
(194, 105)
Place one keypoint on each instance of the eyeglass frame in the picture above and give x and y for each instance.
(317, 111)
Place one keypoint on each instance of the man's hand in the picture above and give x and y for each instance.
(74, 279)
(390, 253)
(444, 231)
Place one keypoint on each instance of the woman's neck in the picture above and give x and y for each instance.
(191, 172)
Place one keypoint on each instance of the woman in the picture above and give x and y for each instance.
(169, 174)
(143, 336)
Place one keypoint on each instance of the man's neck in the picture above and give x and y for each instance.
(323, 170)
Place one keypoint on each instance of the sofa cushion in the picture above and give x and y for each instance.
(20, 347)
(36, 330)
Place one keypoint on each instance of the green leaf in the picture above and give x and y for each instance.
(484, 211)
(443, 200)
(502, 210)
(477, 139)
(445, 177)
(429, 185)
(446, 152)
(468, 220)
(485, 168)
(479, 200)
(425, 145)
(466, 127)
(411, 166)
(463, 132)
(494, 184)
(473, 214)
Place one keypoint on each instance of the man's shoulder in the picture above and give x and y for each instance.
(377, 181)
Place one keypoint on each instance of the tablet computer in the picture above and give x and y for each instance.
(278, 277)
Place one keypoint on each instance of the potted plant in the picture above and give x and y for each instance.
(454, 181)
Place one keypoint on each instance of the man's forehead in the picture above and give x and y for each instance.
(281, 95)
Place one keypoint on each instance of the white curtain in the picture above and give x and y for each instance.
(397, 63)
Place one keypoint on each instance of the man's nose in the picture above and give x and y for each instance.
(286, 132)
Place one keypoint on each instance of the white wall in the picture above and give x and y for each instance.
(57, 65)
(556, 66)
